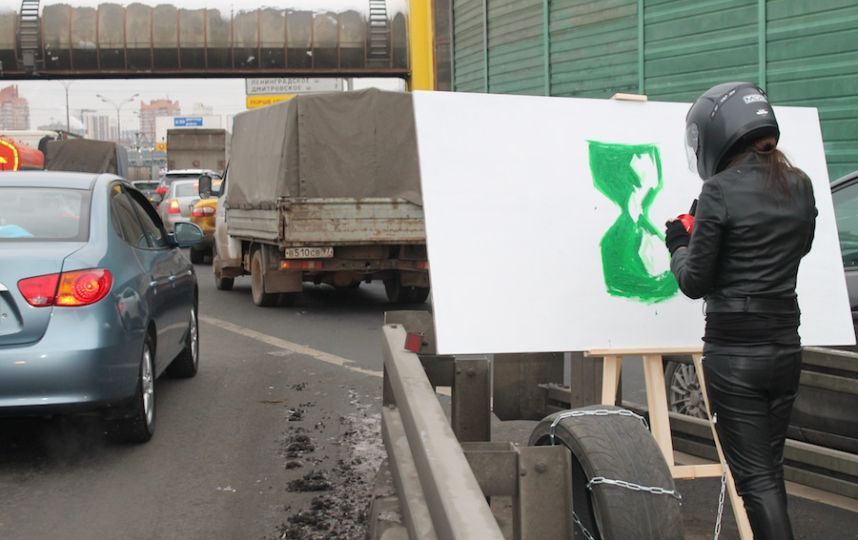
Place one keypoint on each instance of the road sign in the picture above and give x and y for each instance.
(254, 102)
(188, 121)
(291, 85)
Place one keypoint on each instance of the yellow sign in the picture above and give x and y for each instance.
(254, 102)
(161, 147)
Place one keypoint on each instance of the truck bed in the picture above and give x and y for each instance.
(331, 221)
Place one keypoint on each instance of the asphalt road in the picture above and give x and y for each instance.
(278, 436)
(296, 386)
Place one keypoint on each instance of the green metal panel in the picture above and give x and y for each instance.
(468, 52)
(593, 47)
(692, 46)
(804, 52)
(516, 61)
(813, 60)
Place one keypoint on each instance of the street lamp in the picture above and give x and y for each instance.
(118, 106)
(66, 85)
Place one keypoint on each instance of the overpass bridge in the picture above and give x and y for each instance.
(45, 39)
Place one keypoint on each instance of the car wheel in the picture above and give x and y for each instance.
(198, 256)
(683, 390)
(221, 283)
(187, 363)
(139, 425)
(257, 283)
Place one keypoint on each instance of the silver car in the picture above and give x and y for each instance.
(96, 300)
(178, 203)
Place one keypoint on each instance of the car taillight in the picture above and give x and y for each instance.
(39, 291)
(161, 190)
(173, 208)
(203, 211)
(84, 287)
(67, 289)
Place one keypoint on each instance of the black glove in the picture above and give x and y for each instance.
(675, 236)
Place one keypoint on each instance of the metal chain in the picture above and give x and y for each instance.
(720, 505)
(593, 412)
(581, 526)
(596, 480)
(600, 479)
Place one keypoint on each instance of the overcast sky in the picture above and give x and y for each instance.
(225, 96)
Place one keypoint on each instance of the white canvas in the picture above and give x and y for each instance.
(514, 224)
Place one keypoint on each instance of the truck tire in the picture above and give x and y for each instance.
(198, 256)
(397, 293)
(616, 448)
(419, 294)
(221, 283)
(257, 283)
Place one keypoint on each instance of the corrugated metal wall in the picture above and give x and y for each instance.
(812, 58)
(804, 52)
(593, 47)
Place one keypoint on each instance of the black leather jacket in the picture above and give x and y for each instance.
(748, 238)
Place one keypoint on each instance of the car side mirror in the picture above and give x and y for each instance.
(187, 234)
(205, 186)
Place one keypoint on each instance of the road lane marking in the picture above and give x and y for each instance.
(290, 346)
(323, 356)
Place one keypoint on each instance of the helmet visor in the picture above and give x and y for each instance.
(692, 146)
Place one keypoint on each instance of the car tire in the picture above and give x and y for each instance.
(615, 447)
(187, 363)
(257, 283)
(198, 256)
(684, 395)
(138, 425)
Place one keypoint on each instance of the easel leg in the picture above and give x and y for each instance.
(656, 397)
(611, 366)
(735, 500)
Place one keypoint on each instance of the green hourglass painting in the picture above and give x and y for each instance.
(630, 176)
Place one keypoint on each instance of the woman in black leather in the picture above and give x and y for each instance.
(754, 222)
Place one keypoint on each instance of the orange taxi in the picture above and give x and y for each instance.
(203, 216)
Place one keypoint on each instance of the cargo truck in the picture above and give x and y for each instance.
(323, 189)
(197, 148)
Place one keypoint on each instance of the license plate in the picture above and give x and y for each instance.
(309, 253)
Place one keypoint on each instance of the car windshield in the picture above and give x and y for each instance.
(143, 186)
(186, 189)
(43, 214)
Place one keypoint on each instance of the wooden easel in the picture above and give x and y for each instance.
(659, 419)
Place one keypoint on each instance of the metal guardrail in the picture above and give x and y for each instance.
(429, 466)
(446, 472)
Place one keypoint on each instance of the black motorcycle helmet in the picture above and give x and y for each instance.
(722, 121)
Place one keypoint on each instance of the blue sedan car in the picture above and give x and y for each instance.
(96, 300)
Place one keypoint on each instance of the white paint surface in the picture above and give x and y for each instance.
(514, 224)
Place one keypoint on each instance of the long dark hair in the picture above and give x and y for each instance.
(777, 164)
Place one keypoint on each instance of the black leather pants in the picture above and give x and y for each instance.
(751, 392)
